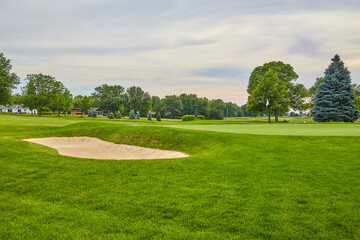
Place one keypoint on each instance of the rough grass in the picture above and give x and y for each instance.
(235, 186)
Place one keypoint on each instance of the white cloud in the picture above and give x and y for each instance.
(159, 44)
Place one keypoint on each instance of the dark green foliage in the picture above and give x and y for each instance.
(232, 110)
(216, 114)
(188, 118)
(149, 116)
(200, 117)
(217, 109)
(245, 113)
(8, 80)
(90, 114)
(173, 107)
(158, 116)
(357, 95)
(269, 95)
(138, 99)
(118, 115)
(335, 97)
(132, 114)
(82, 103)
(137, 115)
(111, 116)
(42, 92)
(292, 96)
(110, 97)
(94, 115)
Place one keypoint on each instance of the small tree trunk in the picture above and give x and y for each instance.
(269, 117)
(276, 116)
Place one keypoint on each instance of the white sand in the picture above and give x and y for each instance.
(88, 147)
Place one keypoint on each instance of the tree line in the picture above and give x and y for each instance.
(272, 91)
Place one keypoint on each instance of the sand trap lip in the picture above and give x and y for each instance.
(94, 148)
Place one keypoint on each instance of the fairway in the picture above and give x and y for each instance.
(334, 129)
(232, 186)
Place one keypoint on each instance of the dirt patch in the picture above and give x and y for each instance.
(88, 147)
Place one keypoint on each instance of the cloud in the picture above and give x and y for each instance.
(203, 46)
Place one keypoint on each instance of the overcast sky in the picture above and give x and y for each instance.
(169, 47)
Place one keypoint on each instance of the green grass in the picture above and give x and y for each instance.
(233, 186)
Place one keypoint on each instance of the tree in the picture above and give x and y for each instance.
(40, 91)
(203, 107)
(149, 116)
(138, 99)
(82, 103)
(245, 112)
(313, 90)
(190, 103)
(61, 102)
(217, 109)
(137, 115)
(294, 96)
(132, 114)
(173, 107)
(335, 97)
(357, 95)
(118, 115)
(269, 95)
(110, 97)
(158, 116)
(8, 80)
(231, 109)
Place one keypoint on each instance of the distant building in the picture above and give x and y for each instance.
(17, 108)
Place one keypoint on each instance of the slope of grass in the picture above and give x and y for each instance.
(233, 186)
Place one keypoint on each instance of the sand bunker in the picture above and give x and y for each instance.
(88, 147)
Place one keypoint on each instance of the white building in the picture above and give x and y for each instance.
(18, 108)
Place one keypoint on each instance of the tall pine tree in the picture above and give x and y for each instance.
(334, 100)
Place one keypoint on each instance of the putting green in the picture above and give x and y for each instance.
(325, 129)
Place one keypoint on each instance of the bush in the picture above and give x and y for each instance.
(90, 114)
(118, 115)
(200, 117)
(149, 116)
(138, 115)
(111, 116)
(158, 117)
(132, 114)
(188, 118)
(94, 115)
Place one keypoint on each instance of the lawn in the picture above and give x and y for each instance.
(244, 179)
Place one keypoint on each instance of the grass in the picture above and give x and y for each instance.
(233, 186)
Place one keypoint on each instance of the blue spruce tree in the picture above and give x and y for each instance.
(334, 100)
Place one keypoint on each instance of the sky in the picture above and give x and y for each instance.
(206, 47)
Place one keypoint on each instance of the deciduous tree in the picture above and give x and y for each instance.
(8, 80)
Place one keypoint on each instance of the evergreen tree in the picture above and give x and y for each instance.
(118, 115)
(149, 116)
(138, 115)
(334, 100)
(158, 116)
(132, 114)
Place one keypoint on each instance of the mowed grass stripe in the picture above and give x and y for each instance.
(329, 129)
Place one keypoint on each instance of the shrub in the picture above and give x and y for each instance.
(158, 117)
(90, 114)
(111, 116)
(138, 115)
(200, 117)
(132, 114)
(188, 118)
(94, 115)
(149, 116)
(118, 115)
